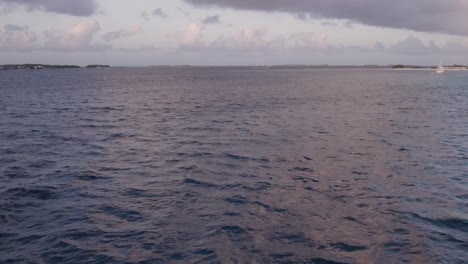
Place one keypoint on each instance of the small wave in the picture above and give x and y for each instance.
(105, 108)
(236, 157)
(270, 208)
(232, 214)
(279, 256)
(396, 246)
(259, 186)
(305, 179)
(237, 199)
(324, 261)
(194, 154)
(65, 251)
(289, 238)
(303, 169)
(203, 251)
(177, 256)
(40, 193)
(124, 214)
(136, 193)
(40, 164)
(116, 136)
(451, 222)
(359, 173)
(16, 172)
(347, 247)
(8, 235)
(244, 158)
(199, 183)
(233, 229)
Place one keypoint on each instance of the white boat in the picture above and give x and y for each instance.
(440, 69)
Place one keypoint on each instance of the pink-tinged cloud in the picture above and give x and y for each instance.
(79, 37)
(69, 7)
(252, 38)
(14, 37)
(442, 16)
(191, 37)
(193, 33)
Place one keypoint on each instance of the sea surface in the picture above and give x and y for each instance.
(233, 165)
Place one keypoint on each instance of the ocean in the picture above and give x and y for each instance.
(233, 165)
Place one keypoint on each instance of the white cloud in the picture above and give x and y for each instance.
(455, 46)
(144, 15)
(193, 34)
(79, 37)
(414, 46)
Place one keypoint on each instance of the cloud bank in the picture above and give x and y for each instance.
(79, 37)
(434, 16)
(75, 7)
(301, 45)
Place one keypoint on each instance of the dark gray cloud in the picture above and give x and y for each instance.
(211, 20)
(158, 12)
(12, 27)
(75, 7)
(442, 16)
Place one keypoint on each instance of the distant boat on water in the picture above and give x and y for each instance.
(440, 69)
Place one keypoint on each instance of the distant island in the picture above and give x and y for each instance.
(35, 66)
(97, 66)
(277, 66)
(401, 66)
(323, 66)
(32, 66)
(447, 67)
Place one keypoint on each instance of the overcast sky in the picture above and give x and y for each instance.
(234, 32)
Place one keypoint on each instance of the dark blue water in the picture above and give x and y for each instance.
(233, 165)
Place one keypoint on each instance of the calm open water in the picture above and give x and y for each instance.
(233, 165)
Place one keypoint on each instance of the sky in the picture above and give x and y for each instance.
(234, 32)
